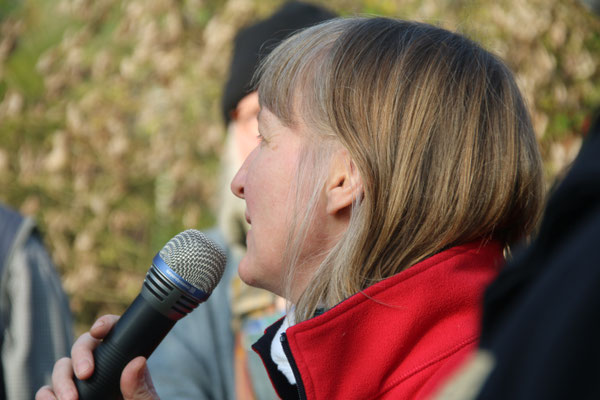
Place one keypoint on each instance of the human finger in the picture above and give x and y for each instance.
(136, 383)
(45, 393)
(83, 358)
(103, 325)
(81, 352)
(63, 386)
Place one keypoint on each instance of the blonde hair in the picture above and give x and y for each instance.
(435, 125)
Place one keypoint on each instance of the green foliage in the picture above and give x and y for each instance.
(42, 30)
(8, 7)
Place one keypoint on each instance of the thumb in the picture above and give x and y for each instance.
(136, 383)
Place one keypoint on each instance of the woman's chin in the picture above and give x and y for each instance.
(246, 274)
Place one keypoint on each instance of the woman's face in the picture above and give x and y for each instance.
(265, 181)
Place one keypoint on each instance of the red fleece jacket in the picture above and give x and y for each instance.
(397, 339)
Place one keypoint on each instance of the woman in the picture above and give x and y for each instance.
(397, 162)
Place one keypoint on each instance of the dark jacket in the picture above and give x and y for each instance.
(542, 316)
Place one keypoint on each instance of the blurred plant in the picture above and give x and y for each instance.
(110, 125)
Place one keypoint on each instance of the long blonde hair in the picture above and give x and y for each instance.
(435, 125)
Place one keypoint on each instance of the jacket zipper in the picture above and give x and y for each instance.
(288, 354)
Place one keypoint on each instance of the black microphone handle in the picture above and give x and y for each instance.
(137, 333)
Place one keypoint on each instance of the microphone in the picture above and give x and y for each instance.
(183, 274)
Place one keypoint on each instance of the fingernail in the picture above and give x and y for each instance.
(82, 367)
(98, 324)
(142, 372)
(142, 375)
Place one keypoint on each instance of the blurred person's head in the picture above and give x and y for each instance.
(385, 142)
(240, 101)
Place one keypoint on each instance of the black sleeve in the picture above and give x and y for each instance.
(542, 315)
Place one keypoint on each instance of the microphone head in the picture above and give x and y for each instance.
(196, 258)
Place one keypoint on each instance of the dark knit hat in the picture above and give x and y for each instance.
(253, 43)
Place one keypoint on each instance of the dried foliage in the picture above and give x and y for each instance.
(110, 124)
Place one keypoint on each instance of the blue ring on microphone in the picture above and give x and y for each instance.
(176, 279)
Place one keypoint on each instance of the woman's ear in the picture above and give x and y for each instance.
(344, 185)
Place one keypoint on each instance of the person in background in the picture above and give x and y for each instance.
(397, 161)
(35, 319)
(540, 322)
(207, 354)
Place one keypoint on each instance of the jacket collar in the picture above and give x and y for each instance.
(389, 331)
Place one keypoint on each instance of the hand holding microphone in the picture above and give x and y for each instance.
(183, 274)
(136, 383)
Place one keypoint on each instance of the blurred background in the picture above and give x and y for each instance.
(111, 125)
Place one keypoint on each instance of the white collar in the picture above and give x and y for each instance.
(277, 354)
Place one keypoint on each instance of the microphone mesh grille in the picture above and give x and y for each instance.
(196, 258)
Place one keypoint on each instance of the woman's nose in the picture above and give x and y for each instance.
(239, 180)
